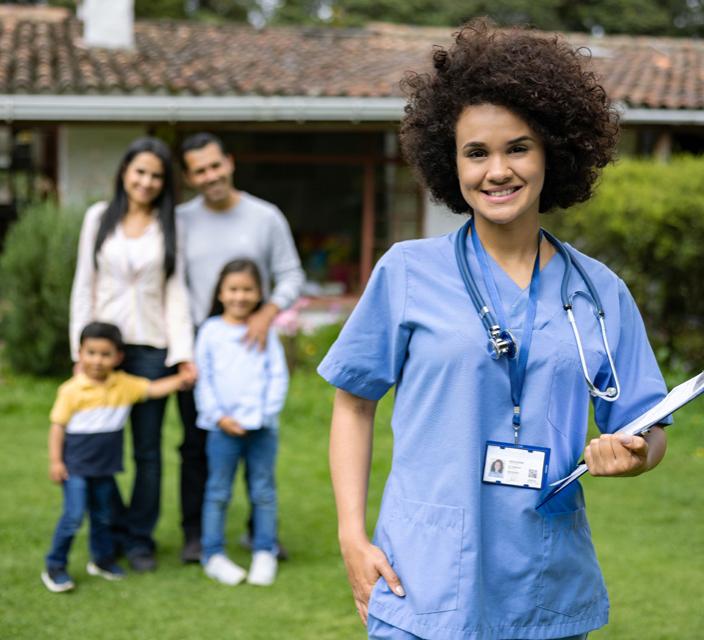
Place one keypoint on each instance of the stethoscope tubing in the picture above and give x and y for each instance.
(492, 327)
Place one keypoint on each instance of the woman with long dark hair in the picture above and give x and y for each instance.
(129, 273)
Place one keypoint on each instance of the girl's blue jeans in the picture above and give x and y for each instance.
(83, 494)
(258, 449)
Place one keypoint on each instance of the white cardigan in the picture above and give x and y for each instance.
(128, 290)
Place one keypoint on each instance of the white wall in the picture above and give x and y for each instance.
(439, 220)
(88, 160)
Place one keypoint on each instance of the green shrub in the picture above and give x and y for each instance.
(36, 271)
(311, 348)
(646, 222)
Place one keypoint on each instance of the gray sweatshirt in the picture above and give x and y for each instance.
(253, 229)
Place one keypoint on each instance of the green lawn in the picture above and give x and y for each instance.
(649, 535)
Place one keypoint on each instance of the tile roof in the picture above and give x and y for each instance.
(43, 54)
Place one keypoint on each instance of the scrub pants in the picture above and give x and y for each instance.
(380, 630)
(134, 521)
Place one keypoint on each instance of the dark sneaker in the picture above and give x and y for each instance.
(57, 580)
(107, 570)
(191, 551)
(142, 562)
(281, 551)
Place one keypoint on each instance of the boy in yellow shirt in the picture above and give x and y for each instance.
(85, 448)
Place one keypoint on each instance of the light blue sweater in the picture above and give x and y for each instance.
(242, 383)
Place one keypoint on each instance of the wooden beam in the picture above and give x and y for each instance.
(366, 262)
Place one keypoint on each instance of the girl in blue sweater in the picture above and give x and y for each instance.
(239, 395)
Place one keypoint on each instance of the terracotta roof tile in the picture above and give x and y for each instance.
(43, 54)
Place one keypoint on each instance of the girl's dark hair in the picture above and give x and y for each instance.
(241, 265)
(164, 202)
(539, 78)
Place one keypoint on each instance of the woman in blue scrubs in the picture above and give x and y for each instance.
(509, 125)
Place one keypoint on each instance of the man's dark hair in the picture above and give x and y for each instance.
(198, 141)
(105, 331)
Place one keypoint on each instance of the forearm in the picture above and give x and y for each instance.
(268, 311)
(56, 443)
(289, 284)
(657, 446)
(164, 386)
(350, 459)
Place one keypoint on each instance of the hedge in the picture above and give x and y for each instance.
(36, 272)
(646, 222)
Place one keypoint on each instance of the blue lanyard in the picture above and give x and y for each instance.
(516, 369)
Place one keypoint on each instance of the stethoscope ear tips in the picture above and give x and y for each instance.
(611, 392)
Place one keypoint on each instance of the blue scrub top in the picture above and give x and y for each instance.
(477, 560)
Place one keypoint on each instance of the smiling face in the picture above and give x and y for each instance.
(209, 171)
(500, 164)
(239, 295)
(143, 179)
(98, 357)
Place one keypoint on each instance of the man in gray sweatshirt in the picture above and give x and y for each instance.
(219, 225)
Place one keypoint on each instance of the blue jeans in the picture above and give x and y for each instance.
(83, 494)
(134, 522)
(380, 630)
(258, 449)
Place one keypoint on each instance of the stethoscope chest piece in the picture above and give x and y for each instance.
(501, 343)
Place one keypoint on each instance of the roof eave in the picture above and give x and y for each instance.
(674, 117)
(101, 108)
(150, 108)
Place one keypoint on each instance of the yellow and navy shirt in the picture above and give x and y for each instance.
(94, 414)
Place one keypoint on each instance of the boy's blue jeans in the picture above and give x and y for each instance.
(83, 494)
(258, 449)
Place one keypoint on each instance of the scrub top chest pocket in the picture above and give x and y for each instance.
(569, 397)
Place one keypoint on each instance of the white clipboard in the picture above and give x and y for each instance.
(676, 399)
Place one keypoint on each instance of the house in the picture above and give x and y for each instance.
(310, 113)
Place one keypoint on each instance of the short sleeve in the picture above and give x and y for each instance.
(642, 384)
(133, 388)
(62, 410)
(368, 356)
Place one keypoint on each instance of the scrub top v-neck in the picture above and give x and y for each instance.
(477, 561)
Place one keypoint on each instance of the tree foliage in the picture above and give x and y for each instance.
(655, 17)
(637, 17)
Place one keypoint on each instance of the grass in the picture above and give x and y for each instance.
(648, 531)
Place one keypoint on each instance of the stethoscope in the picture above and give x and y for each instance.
(501, 343)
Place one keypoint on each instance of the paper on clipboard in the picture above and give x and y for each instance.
(676, 399)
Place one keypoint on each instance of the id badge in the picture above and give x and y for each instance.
(516, 465)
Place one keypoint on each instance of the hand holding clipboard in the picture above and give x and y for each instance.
(676, 399)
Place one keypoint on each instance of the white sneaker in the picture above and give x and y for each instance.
(262, 571)
(219, 567)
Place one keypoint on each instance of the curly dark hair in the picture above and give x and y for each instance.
(537, 77)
